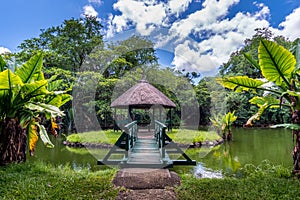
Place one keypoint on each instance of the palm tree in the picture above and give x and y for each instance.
(24, 98)
(281, 86)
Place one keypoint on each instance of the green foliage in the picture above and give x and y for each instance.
(277, 64)
(224, 123)
(204, 100)
(240, 83)
(245, 63)
(75, 138)
(228, 119)
(198, 138)
(120, 57)
(65, 46)
(24, 96)
(287, 126)
(266, 169)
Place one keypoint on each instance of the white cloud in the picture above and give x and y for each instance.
(178, 6)
(4, 50)
(212, 11)
(216, 35)
(99, 2)
(188, 57)
(90, 11)
(290, 27)
(144, 15)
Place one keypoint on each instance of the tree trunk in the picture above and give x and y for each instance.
(296, 151)
(229, 135)
(13, 142)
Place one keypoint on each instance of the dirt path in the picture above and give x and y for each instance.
(146, 184)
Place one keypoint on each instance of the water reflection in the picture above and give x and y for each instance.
(249, 146)
(203, 172)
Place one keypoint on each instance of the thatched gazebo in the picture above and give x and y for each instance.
(143, 95)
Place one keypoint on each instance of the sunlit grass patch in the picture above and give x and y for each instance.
(96, 137)
(189, 136)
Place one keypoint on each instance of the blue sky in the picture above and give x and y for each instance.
(197, 35)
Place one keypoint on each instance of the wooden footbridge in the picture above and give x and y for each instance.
(149, 148)
(145, 149)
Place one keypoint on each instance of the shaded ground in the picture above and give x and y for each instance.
(146, 183)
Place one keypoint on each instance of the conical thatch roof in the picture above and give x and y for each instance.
(142, 95)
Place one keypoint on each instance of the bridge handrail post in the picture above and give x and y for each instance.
(131, 130)
(160, 130)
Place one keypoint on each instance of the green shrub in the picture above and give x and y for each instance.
(266, 168)
(74, 138)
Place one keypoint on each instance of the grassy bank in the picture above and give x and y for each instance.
(110, 137)
(246, 188)
(46, 181)
(95, 137)
(185, 136)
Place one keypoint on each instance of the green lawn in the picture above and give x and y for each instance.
(45, 181)
(104, 137)
(231, 188)
(110, 137)
(185, 136)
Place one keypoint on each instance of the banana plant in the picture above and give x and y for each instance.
(24, 99)
(224, 124)
(280, 86)
(227, 122)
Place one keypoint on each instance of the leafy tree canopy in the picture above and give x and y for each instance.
(65, 46)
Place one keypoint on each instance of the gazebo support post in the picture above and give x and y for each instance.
(170, 120)
(160, 119)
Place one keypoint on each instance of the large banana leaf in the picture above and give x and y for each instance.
(297, 52)
(267, 100)
(230, 118)
(33, 89)
(287, 126)
(44, 136)
(32, 136)
(263, 103)
(50, 110)
(276, 62)
(31, 68)
(59, 100)
(240, 83)
(8, 80)
(251, 60)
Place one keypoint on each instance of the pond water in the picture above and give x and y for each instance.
(248, 146)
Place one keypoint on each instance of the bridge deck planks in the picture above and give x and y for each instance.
(145, 151)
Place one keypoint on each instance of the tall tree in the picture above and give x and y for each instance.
(118, 58)
(204, 100)
(67, 45)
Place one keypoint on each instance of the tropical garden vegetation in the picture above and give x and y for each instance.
(35, 99)
(280, 86)
(26, 98)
